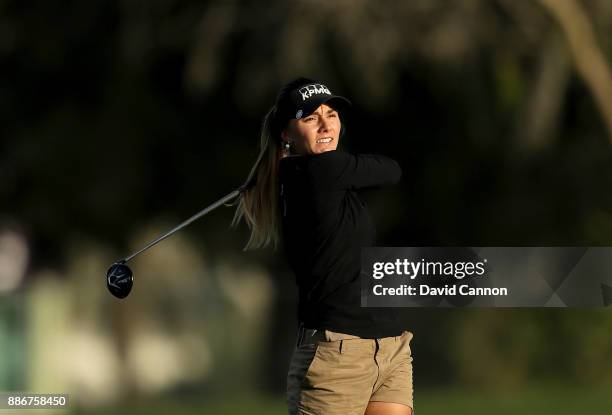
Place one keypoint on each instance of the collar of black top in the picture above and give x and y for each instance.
(305, 99)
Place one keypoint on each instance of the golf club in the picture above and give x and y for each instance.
(119, 277)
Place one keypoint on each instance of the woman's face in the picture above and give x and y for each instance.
(317, 133)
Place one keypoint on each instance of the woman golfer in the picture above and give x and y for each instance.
(347, 359)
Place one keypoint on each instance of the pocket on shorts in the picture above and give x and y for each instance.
(408, 335)
(405, 338)
(304, 356)
(309, 352)
(324, 361)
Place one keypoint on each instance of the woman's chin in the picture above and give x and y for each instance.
(324, 147)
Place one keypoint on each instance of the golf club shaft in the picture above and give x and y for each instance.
(198, 215)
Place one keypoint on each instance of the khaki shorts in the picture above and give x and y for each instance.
(334, 373)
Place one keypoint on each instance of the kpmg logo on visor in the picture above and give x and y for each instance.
(313, 89)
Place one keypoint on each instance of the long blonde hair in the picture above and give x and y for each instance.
(258, 203)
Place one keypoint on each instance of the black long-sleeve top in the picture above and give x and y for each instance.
(325, 224)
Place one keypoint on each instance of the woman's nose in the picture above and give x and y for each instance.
(324, 124)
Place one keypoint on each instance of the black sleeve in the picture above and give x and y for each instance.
(336, 170)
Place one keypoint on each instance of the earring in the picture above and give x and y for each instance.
(287, 146)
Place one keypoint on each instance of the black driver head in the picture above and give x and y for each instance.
(119, 280)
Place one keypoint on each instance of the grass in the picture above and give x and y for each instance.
(540, 400)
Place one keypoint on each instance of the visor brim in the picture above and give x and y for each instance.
(337, 102)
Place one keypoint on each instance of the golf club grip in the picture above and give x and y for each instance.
(198, 215)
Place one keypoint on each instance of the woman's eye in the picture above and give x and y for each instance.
(309, 119)
(333, 114)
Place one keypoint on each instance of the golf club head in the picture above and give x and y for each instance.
(119, 280)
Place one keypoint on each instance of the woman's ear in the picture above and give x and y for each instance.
(285, 136)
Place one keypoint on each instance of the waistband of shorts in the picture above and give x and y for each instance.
(312, 336)
(328, 339)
